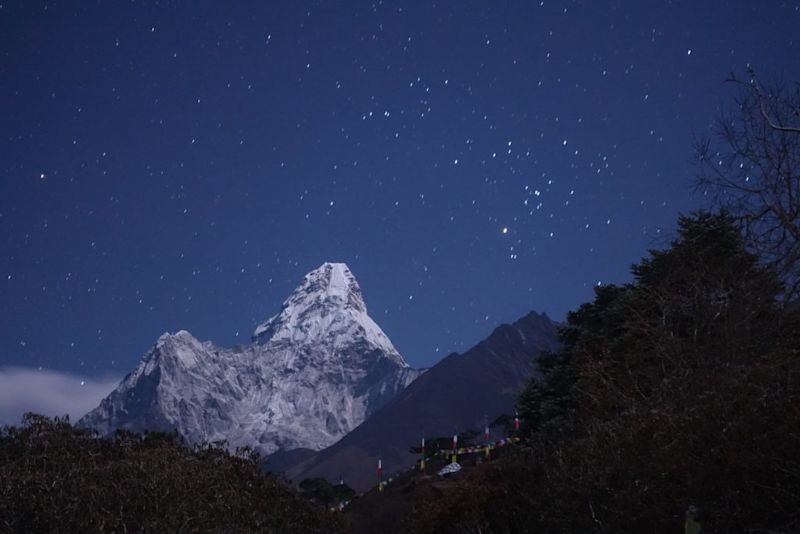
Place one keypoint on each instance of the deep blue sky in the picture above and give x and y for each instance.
(181, 165)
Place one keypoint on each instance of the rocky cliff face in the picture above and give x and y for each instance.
(313, 372)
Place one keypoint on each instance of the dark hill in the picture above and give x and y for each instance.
(457, 393)
(57, 478)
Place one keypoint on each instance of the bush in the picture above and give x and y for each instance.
(56, 478)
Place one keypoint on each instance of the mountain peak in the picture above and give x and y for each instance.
(317, 369)
(325, 295)
(180, 334)
(335, 282)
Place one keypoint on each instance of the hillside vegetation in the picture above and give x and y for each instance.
(57, 478)
(680, 389)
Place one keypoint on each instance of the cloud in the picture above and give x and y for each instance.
(48, 392)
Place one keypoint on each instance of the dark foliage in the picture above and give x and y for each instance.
(681, 388)
(320, 491)
(56, 478)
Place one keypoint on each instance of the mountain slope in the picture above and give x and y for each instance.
(314, 372)
(456, 394)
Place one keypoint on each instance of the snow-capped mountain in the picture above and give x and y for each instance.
(314, 372)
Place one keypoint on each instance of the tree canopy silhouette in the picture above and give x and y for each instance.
(57, 478)
(680, 388)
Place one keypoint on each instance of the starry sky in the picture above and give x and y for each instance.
(181, 165)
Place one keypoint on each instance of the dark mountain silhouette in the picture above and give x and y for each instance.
(459, 392)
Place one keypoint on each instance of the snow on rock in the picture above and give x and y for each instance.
(314, 372)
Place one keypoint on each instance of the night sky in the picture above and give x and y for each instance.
(181, 165)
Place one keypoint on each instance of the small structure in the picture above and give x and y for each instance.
(449, 469)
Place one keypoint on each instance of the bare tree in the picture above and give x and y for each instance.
(751, 168)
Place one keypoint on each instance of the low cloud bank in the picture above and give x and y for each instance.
(48, 392)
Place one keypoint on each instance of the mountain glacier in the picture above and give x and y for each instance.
(312, 373)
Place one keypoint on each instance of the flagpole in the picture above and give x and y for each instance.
(486, 436)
